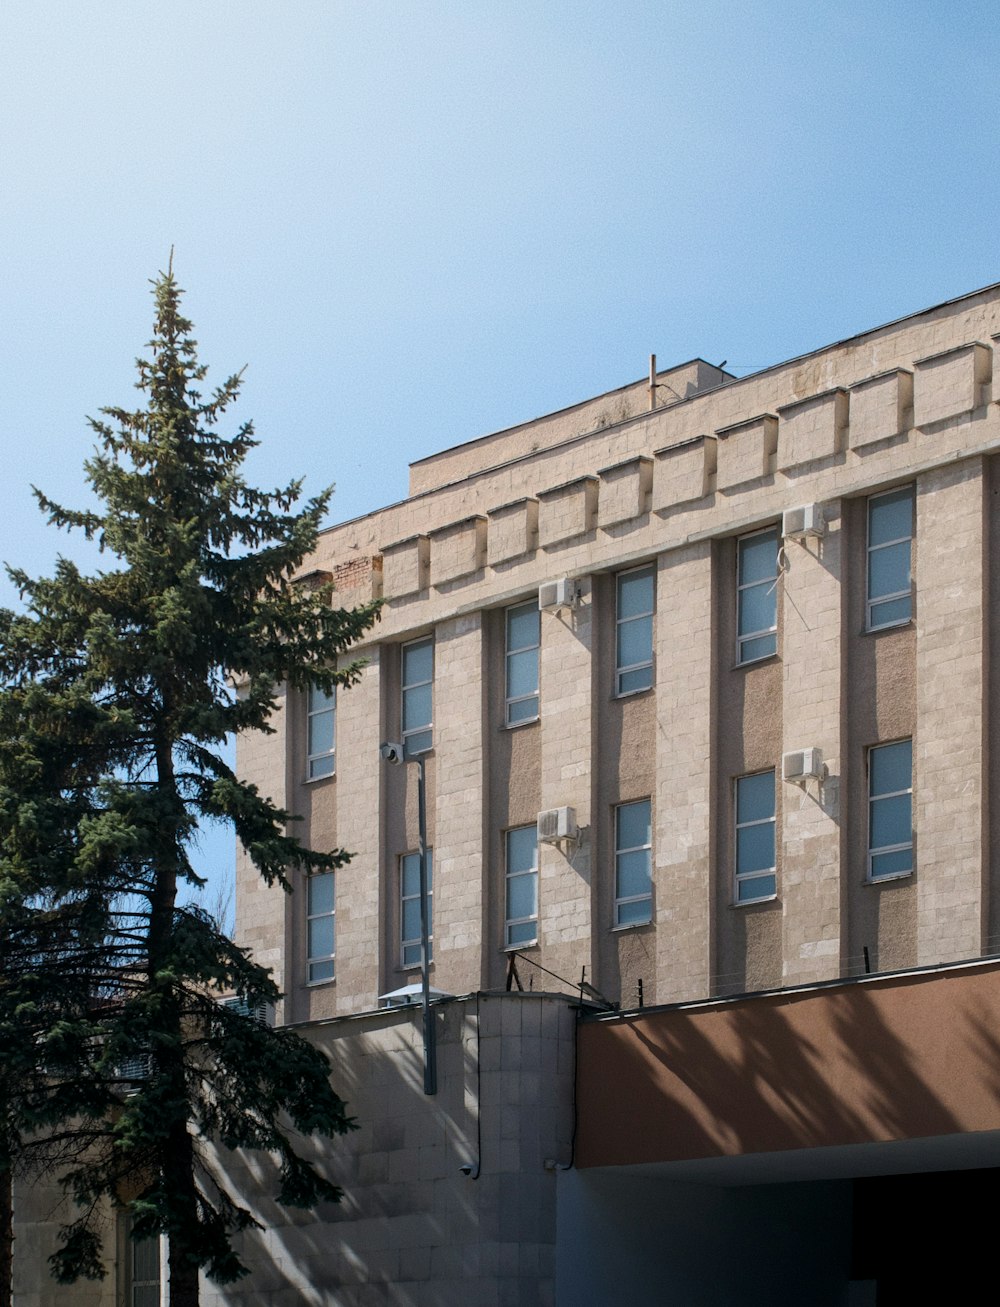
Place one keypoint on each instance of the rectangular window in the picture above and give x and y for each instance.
(409, 907)
(890, 537)
(634, 635)
(522, 663)
(522, 887)
(320, 926)
(757, 596)
(143, 1263)
(321, 733)
(418, 696)
(633, 864)
(890, 810)
(756, 875)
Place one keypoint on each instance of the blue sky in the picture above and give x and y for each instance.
(419, 222)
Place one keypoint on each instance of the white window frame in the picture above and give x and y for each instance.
(511, 700)
(875, 851)
(872, 603)
(621, 669)
(317, 961)
(745, 637)
(425, 728)
(320, 763)
(621, 901)
(408, 958)
(741, 878)
(510, 876)
(135, 1282)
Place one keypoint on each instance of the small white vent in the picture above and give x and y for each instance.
(557, 594)
(557, 824)
(797, 523)
(262, 1012)
(802, 765)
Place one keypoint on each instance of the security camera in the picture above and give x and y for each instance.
(470, 1169)
(391, 752)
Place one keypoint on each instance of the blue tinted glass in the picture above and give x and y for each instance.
(521, 844)
(758, 557)
(633, 825)
(890, 612)
(759, 887)
(320, 893)
(635, 594)
(755, 847)
(411, 918)
(641, 678)
(891, 767)
(321, 733)
(523, 710)
(522, 933)
(889, 570)
(417, 707)
(418, 662)
(419, 742)
(890, 517)
(321, 970)
(522, 627)
(761, 647)
(320, 937)
(755, 797)
(522, 896)
(635, 914)
(635, 641)
(898, 863)
(522, 673)
(321, 766)
(758, 608)
(891, 822)
(633, 874)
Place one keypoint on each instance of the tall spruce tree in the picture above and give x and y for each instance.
(115, 703)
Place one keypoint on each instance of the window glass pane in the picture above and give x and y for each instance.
(321, 733)
(891, 767)
(320, 893)
(411, 917)
(416, 707)
(522, 896)
(321, 937)
(897, 863)
(411, 874)
(521, 845)
(755, 847)
(418, 662)
(889, 570)
(755, 797)
(522, 673)
(321, 766)
(758, 557)
(633, 825)
(418, 742)
(889, 612)
(321, 970)
(524, 932)
(890, 517)
(522, 627)
(320, 700)
(640, 678)
(146, 1295)
(635, 593)
(759, 887)
(761, 647)
(758, 608)
(524, 710)
(146, 1259)
(635, 641)
(635, 914)
(891, 821)
(633, 874)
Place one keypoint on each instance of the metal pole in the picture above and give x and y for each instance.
(430, 1050)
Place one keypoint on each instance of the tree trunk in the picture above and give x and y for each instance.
(6, 1233)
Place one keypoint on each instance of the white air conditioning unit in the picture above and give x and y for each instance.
(262, 1012)
(557, 594)
(798, 523)
(801, 765)
(557, 824)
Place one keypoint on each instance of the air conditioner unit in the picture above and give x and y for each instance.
(798, 523)
(802, 765)
(557, 594)
(557, 824)
(262, 1012)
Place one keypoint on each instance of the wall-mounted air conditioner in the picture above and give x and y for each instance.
(557, 594)
(798, 523)
(801, 765)
(557, 824)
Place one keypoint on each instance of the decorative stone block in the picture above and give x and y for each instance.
(746, 451)
(567, 511)
(458, 549)
(954, 382)
(881, 406)
(682, 473)
(513, 531)
(812, 429)
(405, 566)
(624, 491)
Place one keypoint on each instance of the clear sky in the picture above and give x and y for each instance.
(416, 221)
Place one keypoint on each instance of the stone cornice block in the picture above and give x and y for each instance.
(812, 429)
(682, 473)
(513, 531)
(746, 451)
(406, 566)
(624, 491)
(458, 549)
(567, 511)
(951, 383)
(881, 406)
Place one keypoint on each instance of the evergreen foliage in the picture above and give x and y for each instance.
(115, 703)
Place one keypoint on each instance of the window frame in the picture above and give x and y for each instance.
(896, 595)
(509, 653)
(135, 1276)
(875, 851)
(406, 941)
(745, 637)
(425, 728)
(316, 960)
(512, 923)
(622, 670)
(741, 878)
(315, 758)
(623, 900)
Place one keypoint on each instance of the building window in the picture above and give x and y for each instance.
(320, 926)
(633, 864)
(321, 733)
(890, 810)
(634, 638)
(756, 877)
(418, 696)
(757, 596)
(522, 887)
(522, 663)
(890, 536)
(409, 907)
(142, 1261)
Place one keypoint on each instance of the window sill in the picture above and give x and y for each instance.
(888, 880)
(632, 925)
(318, 780)
(888, 626)
(633, 694)
(764, 899)
(516, 726)
(756, 662)
(318, 984)
(520, 948)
